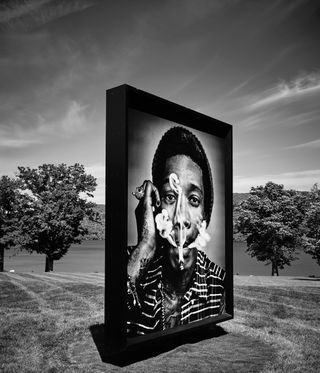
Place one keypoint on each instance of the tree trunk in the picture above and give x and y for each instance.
(49, 264)
(275, 269)
(1, 258)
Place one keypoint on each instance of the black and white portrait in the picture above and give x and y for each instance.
(176, 225)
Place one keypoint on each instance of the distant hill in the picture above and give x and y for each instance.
(96, 229)
(101, 209)
(237, 199)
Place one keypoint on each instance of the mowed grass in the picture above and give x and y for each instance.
(45, 322)
(284, 313)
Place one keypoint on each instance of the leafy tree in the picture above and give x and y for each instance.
(8, 215)
(311, 238)
(270, 219)
(53, 220)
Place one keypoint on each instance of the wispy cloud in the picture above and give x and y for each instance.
(237, 88)
(287, 104)
(40, 128)
(17, 9)
(23, 15)
(301, 85)
(239, 95)
(72, 121)
(301, 180)
(16, 139)
(315, 144)
(189, 12)
(300, 115)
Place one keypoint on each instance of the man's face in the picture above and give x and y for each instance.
(192, 203)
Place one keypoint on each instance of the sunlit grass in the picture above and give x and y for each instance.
(285, 317)
(45, 321)
(41, 320)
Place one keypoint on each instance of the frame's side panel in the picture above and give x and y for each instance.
(229, 222)
(116, 219)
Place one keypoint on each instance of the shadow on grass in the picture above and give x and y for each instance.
(151, 348)
(307, 279)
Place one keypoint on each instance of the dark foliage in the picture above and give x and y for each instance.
(53, 219)
(13, 203)
(271, 219)
(311, 238)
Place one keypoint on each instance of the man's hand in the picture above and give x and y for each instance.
(146, 247)
(145, 216)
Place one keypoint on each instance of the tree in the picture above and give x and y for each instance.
(53, 220)
(9, 198)
(311, 238)
(270, 219)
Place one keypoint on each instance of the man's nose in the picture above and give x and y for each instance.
(183, 213)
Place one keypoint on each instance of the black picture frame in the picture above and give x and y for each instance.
(120, 100)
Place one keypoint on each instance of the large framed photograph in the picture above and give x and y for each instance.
(169, 265)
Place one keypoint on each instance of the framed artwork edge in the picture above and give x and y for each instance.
(119, 101)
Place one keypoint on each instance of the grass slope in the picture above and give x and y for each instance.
(45, 321)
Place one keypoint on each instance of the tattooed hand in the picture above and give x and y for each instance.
(145, 249)
(145, 216)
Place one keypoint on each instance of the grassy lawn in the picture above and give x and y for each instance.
(45, 321)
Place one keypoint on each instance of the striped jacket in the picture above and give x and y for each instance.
(205, 297)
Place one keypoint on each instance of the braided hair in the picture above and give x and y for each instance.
(180, 141)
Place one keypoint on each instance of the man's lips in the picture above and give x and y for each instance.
(175, 250)
(185, 245)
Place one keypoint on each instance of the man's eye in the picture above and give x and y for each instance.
(194, 200)
(170, 198)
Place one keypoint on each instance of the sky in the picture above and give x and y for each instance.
(253, 64)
